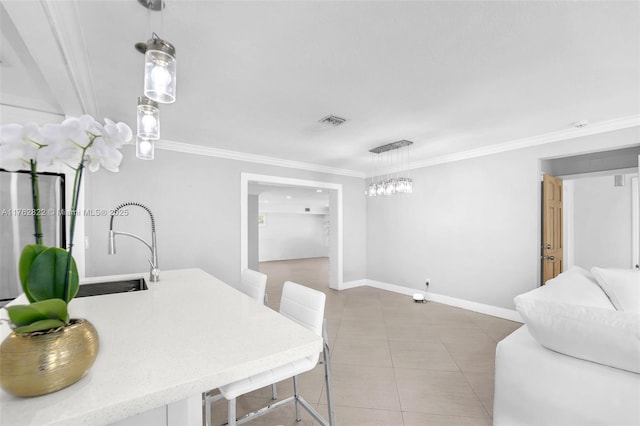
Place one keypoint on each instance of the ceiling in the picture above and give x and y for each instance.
(281, 196)
(256, 77)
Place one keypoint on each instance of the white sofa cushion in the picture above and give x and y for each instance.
(622, 286)
(576, 286)
(591, 333)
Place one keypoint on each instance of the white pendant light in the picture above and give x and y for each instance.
(145, 148)
(148, 119)
(159, 85)
(160, 71)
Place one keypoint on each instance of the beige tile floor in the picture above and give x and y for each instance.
(394, 362)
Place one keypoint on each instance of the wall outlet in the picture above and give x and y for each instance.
(427, 283)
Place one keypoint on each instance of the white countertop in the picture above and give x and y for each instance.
(188, 333)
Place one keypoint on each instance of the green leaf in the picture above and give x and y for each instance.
(42, 325)
(29, 253)
(52, 309)
(22, 315)
(47, 274)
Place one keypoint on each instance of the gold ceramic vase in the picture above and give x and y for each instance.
(40, 363)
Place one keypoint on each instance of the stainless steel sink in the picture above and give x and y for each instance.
(111, 287)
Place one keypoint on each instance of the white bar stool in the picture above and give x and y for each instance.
(306, 307)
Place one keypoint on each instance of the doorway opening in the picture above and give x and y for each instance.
(603, 218)
(599, 208)
(251, 184)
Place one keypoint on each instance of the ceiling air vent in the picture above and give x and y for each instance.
(332, 119)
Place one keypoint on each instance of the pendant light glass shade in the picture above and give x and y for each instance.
(148, 119)
(160, 71)
(144, 148)
(371, 190)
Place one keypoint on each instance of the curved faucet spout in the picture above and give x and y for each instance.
(154, 274)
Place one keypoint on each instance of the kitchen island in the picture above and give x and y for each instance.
(161, 348)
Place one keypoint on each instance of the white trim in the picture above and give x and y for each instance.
(609, 172)
(353, 284)
(251, 158)
(605, 126)
(495, 311)
(335, 236)
(635, 220)
(568, 232)
(65, 24)
(19, 114)
(335, 213)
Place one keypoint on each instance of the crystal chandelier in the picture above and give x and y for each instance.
(388, 162)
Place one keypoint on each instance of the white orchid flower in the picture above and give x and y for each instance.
(10, 133)
(101, 154)
(16, 156)
(75, 129)
(59, 149)
(104, 149)
(64, 144)
(19, 145)
(116, 134)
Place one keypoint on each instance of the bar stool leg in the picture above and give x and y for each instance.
(327, 374)
(232, 412)
(296, 395)
(207, 409)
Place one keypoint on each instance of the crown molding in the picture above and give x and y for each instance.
(252, 158)
(602, 127)
(605, 126)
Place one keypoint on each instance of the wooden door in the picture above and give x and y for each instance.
(551, 227)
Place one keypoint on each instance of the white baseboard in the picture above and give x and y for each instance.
(352, 284)
(495, 311)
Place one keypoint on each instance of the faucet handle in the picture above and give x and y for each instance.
(154, 274)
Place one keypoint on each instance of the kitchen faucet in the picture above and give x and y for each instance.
(154, 274)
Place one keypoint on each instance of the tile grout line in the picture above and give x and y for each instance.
(393, 366)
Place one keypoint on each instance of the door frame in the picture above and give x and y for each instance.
(568, 210)
(336, 279)
(635, 219)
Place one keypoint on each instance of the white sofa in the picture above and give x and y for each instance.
(576, 361)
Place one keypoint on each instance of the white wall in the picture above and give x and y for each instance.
(293, 236)
(196, 200)
(471, 226)
(602, 222)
